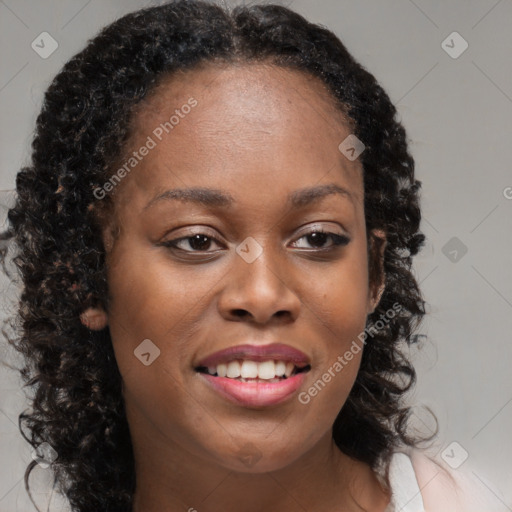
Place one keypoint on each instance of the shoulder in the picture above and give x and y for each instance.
(444, 489)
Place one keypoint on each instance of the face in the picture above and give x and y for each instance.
(264, 244)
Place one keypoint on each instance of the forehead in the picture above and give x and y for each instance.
(257, 86)
(259, 118)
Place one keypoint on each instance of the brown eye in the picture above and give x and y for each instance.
(196, 243)
(318, 238)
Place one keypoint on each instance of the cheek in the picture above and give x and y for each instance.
(338, 302)
(152, 299)
(338, 298)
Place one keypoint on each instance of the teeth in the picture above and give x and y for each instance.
(233, 370)
(246, 369)
(249, 370)
(267, 370)
(222, 370)
(280, 368)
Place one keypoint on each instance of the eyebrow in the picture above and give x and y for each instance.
(220, 199)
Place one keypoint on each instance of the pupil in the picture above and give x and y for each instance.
(317, 238)
(199, 242)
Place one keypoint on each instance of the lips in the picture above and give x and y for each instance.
(258, 353)
(255, 375)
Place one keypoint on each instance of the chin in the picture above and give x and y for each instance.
(254, 457)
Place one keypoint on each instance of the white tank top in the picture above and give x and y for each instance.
(405, 492)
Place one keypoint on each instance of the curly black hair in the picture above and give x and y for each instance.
(55, 226)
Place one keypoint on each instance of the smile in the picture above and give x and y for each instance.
(254, 371)
(255, 375)
(256, 392)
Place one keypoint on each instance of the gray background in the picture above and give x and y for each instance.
(457, 113)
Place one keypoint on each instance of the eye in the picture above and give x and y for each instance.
(201, 242)
(318, 237)
(198, 242)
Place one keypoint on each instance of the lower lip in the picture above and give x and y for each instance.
(255, 394)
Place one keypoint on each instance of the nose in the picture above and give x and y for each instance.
(259, 292)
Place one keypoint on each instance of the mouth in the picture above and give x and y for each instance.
(255, 376)
(254, 371)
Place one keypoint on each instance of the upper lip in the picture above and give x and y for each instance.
(259, 353)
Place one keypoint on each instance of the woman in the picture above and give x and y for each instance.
(215, 238)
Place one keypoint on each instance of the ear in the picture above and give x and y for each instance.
(377, 276)
(94, 318)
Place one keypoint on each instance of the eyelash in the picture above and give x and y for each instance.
(337, 241)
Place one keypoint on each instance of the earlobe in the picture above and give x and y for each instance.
(94, 319)
(376, 299)
(379, 243)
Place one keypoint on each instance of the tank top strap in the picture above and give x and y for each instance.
(405, 491)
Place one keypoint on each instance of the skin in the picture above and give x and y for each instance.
(259, 133)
